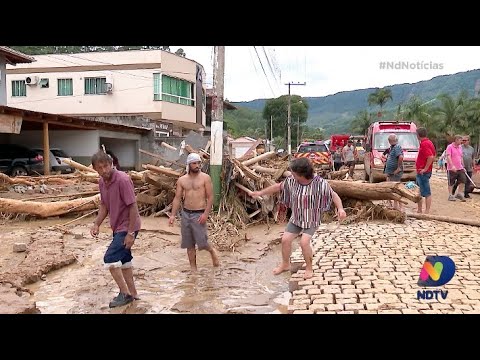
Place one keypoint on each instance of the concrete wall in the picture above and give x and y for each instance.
(124, 146)
(3, 81)
(79, 144)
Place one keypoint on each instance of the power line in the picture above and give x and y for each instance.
(270, 65)
(260, 61)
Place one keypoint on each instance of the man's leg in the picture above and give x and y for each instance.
(352, 168)
(307, 254)
(192, 258)
(118, 277)
(287, 240)
(214, 255)
(127, 272)
(188, 240)
(419, 205)
(420, 185)
(428, 203)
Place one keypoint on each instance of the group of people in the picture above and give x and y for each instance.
(459, 158)
(305, 193)
(346, 156)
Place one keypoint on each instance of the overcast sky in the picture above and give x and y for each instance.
(328, 70)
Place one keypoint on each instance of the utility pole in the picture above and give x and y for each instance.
(216, 153)
(298, 130)
(289, 124)
(271, 132)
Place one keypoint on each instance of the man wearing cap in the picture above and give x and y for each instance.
(196, 190)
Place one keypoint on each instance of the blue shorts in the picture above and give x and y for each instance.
(423, 181)
(116, 254)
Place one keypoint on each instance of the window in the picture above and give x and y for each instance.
(95, 86)
(177, 91)
(65, 87)
(157, 87)
(407, 140)
(19, 88)
(44, 83)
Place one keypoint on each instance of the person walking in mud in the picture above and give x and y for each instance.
(196, 190)
(308, 196)
(118, 201)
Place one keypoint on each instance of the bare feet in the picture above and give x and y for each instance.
(280, 269)
(193, 269)
(308, 274)
(215, 261)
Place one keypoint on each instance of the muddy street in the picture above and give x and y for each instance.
(359, 268)
(244, 282)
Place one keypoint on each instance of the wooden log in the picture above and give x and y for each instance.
(62, 196)
(380, 191)
(337, 175)
(161, 170)
(146, 199)
(258, 158)
(158, 182)
(136, 175)
(247, 171)
(42, 209)
(78, 166)
(164, 144)
(264, 170)
(448, 219)
(282, 172)
(16, 181)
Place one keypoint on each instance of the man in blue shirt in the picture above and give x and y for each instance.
(394, 164)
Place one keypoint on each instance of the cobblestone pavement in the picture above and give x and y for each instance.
(374, 268)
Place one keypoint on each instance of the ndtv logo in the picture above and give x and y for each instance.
(436, 271)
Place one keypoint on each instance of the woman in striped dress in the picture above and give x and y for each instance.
(308, 196)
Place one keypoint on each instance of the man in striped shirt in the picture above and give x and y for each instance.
(308, 196)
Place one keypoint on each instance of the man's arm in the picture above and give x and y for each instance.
(400, 163)
(209, 195)
(176, 201)
(102, 214)
(267, 191)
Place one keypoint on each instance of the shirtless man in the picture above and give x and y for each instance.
(196, 190)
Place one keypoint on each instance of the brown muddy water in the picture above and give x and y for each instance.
(244, 282)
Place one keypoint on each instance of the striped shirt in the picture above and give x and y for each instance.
(307, 202)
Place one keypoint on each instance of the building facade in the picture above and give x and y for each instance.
(164, 87)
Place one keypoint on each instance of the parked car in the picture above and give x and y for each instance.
(18, 160)
(57, 157)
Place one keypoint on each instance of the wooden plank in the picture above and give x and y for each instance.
(10, 124)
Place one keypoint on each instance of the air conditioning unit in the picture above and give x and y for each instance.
(31, 80)
(109, 88)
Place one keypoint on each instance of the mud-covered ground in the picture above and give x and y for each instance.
(62, 271)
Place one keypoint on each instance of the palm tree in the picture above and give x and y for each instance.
(451, 113)
(361, 122)
(380, 98)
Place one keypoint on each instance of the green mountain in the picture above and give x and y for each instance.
(334, 113)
